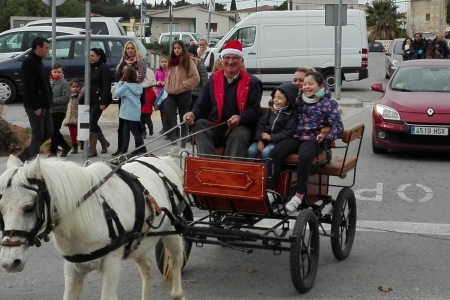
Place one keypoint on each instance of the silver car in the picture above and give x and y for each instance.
(393, 57)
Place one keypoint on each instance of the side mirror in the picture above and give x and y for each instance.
(377, 87)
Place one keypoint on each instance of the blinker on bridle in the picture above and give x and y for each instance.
(31, 238)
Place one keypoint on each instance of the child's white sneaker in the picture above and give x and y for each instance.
(292, 205)
(173, 150)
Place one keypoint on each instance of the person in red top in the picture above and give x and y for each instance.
(231, 95)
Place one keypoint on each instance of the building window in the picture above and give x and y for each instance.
(427, 17)
(175, 27)
(213, 28)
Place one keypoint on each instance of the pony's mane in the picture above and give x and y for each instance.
(66, 183)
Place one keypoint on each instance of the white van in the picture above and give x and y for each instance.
(15, 41)
(186, 37)
(276, 43)
(99, 25)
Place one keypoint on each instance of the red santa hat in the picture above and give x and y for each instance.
(233, 47)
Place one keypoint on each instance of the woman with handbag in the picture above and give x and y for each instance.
(100, 98)
(131, 57)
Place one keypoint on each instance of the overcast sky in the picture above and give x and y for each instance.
(250, 3)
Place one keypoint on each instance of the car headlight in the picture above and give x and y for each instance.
(395, 63)
(387, 113)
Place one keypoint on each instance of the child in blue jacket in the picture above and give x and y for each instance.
(130, 90)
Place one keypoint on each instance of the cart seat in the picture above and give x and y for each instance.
(293, 159)
(342, 164)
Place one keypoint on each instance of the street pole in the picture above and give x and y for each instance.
(53, 32)
(87, 73)
(256, 5)
(170, 27)
(211, 9)
(337, 57)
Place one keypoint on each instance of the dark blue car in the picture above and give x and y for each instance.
(376, 47)
(70, 55)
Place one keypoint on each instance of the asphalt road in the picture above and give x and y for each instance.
(403, 231)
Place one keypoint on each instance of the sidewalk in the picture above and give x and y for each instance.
(108, 123)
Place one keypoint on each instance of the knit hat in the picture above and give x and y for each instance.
(232, 47)
(192, 49)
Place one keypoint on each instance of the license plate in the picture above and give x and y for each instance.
(429, 130)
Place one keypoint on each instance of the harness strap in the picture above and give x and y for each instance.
(110, 216)
(170, 186)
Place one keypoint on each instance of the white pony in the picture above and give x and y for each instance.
(82, 228)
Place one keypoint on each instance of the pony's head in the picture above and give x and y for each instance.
(19, 209)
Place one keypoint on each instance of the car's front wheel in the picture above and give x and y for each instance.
(8, 91)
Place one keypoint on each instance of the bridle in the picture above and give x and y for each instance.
(31, 237)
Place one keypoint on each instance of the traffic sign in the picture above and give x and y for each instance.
(49, 2)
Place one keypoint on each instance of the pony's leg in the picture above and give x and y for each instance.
(144, 264)
(110, 274)
(73, 280)
(174, 245)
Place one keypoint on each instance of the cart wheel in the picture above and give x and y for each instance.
(305, 251)
(160, 250)
(343, 224)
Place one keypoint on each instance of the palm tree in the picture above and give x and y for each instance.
(382, 19)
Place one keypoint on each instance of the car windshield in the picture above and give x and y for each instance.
(422, 79)
(398, 48)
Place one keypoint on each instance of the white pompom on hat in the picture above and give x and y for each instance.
(232, 47)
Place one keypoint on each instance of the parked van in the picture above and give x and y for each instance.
(15, 41)
(99, 25)
(276, 43)
(186, 37)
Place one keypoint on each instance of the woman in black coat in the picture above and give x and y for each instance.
(100, 98)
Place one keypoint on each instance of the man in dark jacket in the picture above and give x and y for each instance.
(37, 97)
(233, 96)
(418, 46)
(443, 45)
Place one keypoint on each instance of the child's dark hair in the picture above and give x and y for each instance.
(75, 81)
(100, 53)
(317, 77)
(56, 66)
(130, 75)
(185, 59)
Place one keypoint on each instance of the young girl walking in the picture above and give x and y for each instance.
(160, 76)
(129, 90)
(183, 77)
(61, 96)
(71, 119)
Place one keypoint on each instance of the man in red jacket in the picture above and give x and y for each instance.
(231, 95)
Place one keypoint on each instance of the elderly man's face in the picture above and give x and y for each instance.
(232, 64)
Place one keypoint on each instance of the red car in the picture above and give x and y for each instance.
(414, 111)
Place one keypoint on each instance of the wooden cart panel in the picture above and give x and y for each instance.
(226, 185)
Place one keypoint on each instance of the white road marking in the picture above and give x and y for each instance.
(402, 188)
(382, 226)
(378, 191)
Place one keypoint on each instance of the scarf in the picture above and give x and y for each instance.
(279, 109)
(175, 62)
(56, 80)
(317, 96)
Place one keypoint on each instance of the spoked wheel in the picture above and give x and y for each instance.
(343, 224)
(305, 251)
(163, 255)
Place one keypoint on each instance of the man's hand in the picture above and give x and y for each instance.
(260, 146)
(37, 112)
(319, 138)
(189, 118)
(102, 107)
(234, 121)
(265, 136)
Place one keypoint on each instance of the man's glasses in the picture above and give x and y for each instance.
(227, 58)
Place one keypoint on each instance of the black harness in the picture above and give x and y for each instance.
(116, 241)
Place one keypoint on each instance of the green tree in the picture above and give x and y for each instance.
(220, 7)
(282, 6)
(181, 3)
(116, 11)
(233, 5)
(36, 8)
(382, 20)
(167, 4)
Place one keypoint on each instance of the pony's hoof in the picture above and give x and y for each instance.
(182, 297)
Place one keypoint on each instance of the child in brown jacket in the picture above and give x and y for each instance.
(71, 119)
